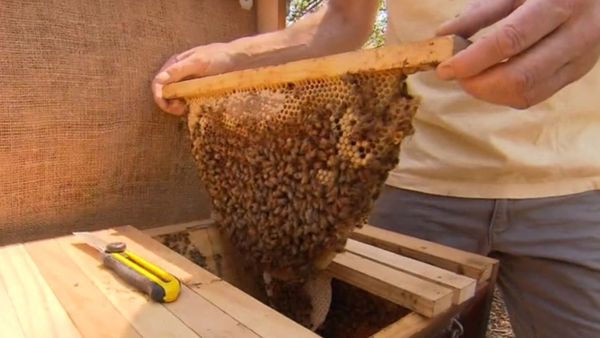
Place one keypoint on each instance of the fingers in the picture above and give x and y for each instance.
(181, 70)
(534, 76)
(157, 86)
(478, 15)
(175, 69)
(566, 75)
(518, 32)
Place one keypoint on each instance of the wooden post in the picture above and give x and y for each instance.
(270, 15)
(475, 319)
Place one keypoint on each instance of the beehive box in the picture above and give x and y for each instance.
(384, 284)
(58, 287)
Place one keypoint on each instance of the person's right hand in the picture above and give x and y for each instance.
(197, 62)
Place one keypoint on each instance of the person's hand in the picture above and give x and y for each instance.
(538, 47)
(197, 62)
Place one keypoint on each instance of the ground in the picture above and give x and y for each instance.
(499, 326)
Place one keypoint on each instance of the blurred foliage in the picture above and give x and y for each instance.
(299, 8)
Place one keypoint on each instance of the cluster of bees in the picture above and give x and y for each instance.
(292, 169)
(357, 313)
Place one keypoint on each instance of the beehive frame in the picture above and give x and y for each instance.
(294, 155)
(410, 57)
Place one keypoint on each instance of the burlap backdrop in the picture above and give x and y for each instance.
(81, 143)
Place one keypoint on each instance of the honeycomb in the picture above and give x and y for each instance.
(293, 168)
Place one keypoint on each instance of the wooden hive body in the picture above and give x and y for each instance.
(419, 285)
(58, 288)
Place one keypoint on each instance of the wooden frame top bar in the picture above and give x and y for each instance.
(412, 57)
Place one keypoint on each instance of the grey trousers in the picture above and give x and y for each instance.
(549, 251)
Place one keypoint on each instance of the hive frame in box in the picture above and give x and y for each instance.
(389, 264)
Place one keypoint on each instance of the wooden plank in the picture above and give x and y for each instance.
(463, 287)
(253, 314)
(86, 305)
(224, 255)
(174, 228)
(187, 271)
(256, 316)
(206, 319)
(148, 318)
(223, 260)
(462, 262)
(424, 297)
(9, 322)
(235, 270)
(37, 308)
(415, 325)
(270, 15)
(200, 239)
(410, 57)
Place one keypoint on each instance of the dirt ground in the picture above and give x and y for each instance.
(499, 325)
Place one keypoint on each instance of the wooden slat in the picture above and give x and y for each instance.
(232, 265)
(223, 260)
(250, 312)
(206, 319)
(174, 228)
(223, 254)
(201, 240)
(152, 250)
(424, 297)
(270, 15)
(148, 318)
(463, 287)
(86, 305)
(38, 310)
(462, 262)
(415, 325)
(410, 57)
(253, 314)
(9, 322)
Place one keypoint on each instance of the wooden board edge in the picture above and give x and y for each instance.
(89, 309)
(9, 320)
(212, 323)
(428, 299)
(465, 263)
(411, 57)
(174, 228)
(270, 15)
(415, 325)
(22, 269)
(146, 316)
(258, 317)
(463, 287)
(187, 271)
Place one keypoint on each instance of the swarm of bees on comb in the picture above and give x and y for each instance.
(292, 169)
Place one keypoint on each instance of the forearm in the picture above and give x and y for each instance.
(339, 26)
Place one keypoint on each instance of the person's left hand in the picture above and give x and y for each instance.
(539, 47)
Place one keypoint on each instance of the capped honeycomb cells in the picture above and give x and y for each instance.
(292, 169)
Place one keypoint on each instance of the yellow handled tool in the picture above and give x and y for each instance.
(160, 285)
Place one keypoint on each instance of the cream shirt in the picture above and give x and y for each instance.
(467, 148)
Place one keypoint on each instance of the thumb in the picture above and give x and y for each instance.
(478, 15)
